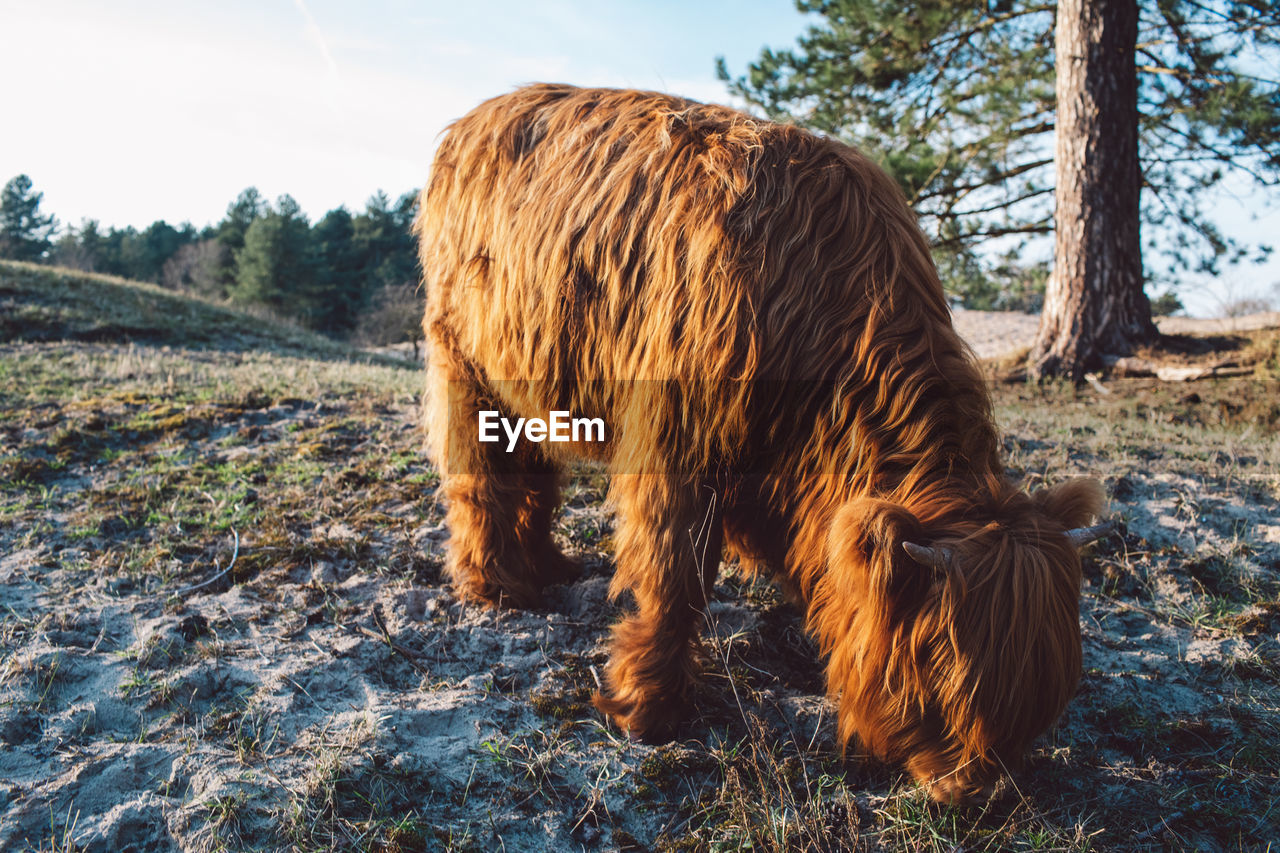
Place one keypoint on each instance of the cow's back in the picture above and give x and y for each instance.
(602, 236)
(616, 234)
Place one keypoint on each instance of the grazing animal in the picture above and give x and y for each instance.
(753, 312)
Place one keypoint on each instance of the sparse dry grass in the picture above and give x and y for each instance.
(330, 693)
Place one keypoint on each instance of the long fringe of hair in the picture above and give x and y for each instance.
(779, 285)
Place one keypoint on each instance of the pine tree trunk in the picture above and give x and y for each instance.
(1095, 306)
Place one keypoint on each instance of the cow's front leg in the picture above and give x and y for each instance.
(500, 505)
(668, 552)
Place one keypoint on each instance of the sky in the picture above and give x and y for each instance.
(137, 110)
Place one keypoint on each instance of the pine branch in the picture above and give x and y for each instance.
(995, 21)
(1005, 204)
(961, 239)
(1000, 177)
(1261, 25)
(1227, 158)
(1180, 73)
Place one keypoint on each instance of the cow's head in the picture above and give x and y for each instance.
(962, 642)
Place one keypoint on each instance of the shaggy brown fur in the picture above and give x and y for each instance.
(755, 314)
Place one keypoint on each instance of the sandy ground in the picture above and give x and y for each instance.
(994, 334)
(266, 712)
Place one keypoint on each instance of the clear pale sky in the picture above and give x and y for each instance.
(137, 110)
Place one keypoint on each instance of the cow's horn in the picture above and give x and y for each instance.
(1081, 536)
(934, 558)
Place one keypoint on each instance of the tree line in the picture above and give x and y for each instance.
(1107, 124)
(346, 275)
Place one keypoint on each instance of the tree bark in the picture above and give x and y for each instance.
(1095, 308)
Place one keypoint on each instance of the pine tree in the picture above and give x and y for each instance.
(231, 231)
(383, 233)
(79, 248)
(25, 234)
(90, 240)
(339, 288)
(241, 213)
(156, 245)
(960, 102)
(1095, 305)
(276, 266)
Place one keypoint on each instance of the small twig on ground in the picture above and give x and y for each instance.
(700, 537)
(234, 555)
(1163, 825)
(385, 637)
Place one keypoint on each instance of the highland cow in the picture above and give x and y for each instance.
(753, 311)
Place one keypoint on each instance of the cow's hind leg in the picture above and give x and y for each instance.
(541, 480)
(500, 506)
(668, 542)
